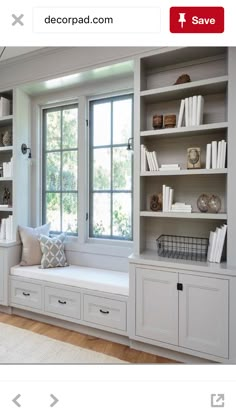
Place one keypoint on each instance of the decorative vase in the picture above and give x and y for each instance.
(202, 203)
(157, 121)
(6, 139)
(214, 204)
(170, 121)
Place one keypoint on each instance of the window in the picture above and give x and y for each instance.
(60, 167)
(111, 180)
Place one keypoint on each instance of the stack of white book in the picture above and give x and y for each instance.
(167, 198)
(6, 228)
(216, 155)
(149, 160)
(191, 111)
(216, 244)
(181, 207)
(4, 107)
(7, 168)
(170, 167)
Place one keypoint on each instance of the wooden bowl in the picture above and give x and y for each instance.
(170, 121)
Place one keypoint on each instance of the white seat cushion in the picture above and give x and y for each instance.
(78, 276)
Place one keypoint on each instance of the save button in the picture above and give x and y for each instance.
(197, 19)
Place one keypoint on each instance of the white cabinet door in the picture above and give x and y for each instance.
(1, 274)
(157, 305)
(203, 314)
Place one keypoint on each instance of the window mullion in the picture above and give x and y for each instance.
(61, 130)
(111, 195)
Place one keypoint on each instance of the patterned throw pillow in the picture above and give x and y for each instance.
(53, 251)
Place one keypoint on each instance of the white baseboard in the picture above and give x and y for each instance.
(5, 309)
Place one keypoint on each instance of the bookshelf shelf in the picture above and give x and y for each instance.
(6, 179)
(5, 120)
(203, 87)
(191, 215)
(185, 131)
(5, 149)
(192, 172)
(4, 209)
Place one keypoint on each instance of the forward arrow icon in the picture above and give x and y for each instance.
(55, 400)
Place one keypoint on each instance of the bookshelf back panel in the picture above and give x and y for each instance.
(214, 110)
(171, 151)
(188, 190)
(155, 227)
(167, 76)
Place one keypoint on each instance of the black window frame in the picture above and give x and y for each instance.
(110, 99)
(45, 111)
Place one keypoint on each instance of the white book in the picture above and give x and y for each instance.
(144, 166)
(154, 154)
(223, 161)
(181, 206)
(149, 160)
(215, 250)
(169, 168)
(214, 154)
(170, 165)
(194, 111)
(4, 107)
(181, 114)
(190, 111)
(171, 196)
(167, 196)
(152, 161)
(219, 155)
(208, 156)
(221, 243)
(186, 112)
(211, 252)
(8, 229)
(3, 229)
(163, 197)
(181, 210)
(210, 245)
(200, 106)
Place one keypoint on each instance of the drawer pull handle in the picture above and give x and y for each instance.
(104, 312)
(61, 302)
(26, 294)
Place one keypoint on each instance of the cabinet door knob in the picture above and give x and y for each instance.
(26, 294)
(104, 312)
(61, 302)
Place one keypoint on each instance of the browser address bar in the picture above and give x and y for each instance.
(97, 20)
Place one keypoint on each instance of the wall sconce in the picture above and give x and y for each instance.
(24, 149)
(130, 144)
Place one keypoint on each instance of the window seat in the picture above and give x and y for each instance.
(102, 280)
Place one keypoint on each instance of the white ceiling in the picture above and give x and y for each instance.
(11, 52)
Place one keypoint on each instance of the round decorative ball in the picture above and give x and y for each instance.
(214, 204)
(202, 203)
(6, 139)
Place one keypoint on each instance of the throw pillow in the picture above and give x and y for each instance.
(53, 251)
(31, 252)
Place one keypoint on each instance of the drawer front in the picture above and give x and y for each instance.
(26, 294)
(105, 312)
(62, 302)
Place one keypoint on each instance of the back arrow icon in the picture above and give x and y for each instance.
(55, 400)
(15, 400)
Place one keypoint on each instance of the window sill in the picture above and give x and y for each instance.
(100, 247)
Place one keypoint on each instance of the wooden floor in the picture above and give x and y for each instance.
(122, 352)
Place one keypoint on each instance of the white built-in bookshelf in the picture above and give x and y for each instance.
(14, 167)
(156, 94)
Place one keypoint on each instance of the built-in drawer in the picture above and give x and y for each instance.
(105, 312)
(26, 294)
(63, 302)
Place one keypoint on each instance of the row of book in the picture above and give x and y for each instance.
(181, 207)
(149, 162)
(216, 244)
(191, 111)
(216, 155)
(7, 169)
(167, 198)
(4, 106)
(6, 228)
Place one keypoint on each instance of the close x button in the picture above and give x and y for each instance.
(197, 19)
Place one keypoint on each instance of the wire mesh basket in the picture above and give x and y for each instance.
(182, 247)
